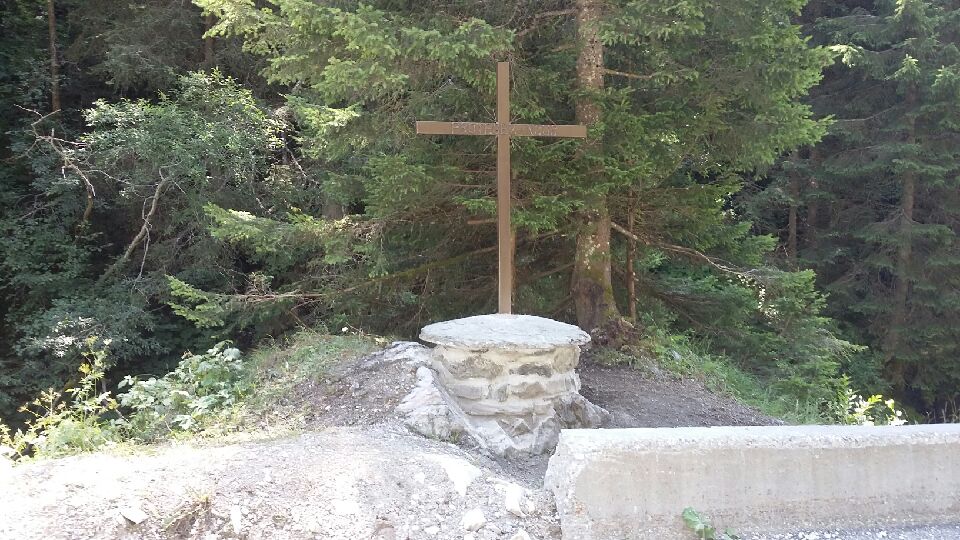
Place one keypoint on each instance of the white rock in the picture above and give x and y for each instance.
(513, 500)
(529, 506)
(473, 520)
(236, 519)
(461, 472)
(432, 530)
(504, 331)
(521, 535)
(133, 514)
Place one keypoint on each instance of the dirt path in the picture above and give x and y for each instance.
(343, 483)
(638, 400)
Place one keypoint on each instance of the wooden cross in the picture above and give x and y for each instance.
(503, 129)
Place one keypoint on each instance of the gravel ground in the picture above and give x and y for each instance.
(941, 532)
(638, 399)
(376, 482)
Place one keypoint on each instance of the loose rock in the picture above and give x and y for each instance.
(521, 535)
(513, 500)
(133, 514)
(474, 520)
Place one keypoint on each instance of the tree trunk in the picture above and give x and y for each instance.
(631, 274)
(895, 366)
(592, 286)
(54, 63)
(813, 205)
(208, 56)
(794, 188)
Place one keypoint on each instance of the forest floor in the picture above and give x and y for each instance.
(347, 469)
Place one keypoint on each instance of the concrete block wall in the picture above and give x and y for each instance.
(634, 483)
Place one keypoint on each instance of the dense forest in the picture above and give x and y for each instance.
(774, 181)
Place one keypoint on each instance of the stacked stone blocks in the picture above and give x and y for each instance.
(501, 382)
(511, 380)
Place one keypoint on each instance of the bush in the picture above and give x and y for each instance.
(871, 411)
(59, 426)
(181, 400)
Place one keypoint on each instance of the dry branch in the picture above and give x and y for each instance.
(142, 234)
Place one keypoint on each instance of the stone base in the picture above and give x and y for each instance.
(507, 381)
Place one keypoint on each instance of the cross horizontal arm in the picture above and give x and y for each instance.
(536, 130)
(455, 128)
(484, 128)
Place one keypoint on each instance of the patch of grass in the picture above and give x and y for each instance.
(196, 511)
(284, 375)
(702, 528)
(307, 354)
(660, 353)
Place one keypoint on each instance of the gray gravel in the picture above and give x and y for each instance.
(939, 532)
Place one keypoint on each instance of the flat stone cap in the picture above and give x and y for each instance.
(504, 332)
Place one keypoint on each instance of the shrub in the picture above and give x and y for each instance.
(181, 400)
(59, 426)
(871, 411)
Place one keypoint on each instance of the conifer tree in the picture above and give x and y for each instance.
(668, 126)
(881, 190)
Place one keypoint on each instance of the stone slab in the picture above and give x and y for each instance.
(634, 483)
(504, 332)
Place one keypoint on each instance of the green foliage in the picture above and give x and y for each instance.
(153, 166)
(211, 393)
(704, 531)
(200, 386)
(203, 309)
(675, 138)
(286, 373)
(267, 176)
(67, 422)
(877, 199)
(872, 411)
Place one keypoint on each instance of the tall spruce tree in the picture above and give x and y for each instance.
(669, 126)
(881, 190)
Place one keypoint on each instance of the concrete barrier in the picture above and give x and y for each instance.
(634, 483)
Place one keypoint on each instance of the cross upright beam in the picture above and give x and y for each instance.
(503, 130)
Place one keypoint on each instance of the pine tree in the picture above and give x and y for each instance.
(668, 126)
(881, 190)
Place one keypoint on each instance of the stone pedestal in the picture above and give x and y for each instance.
(507, 380)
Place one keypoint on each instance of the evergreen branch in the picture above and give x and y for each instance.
(865, 119)
(57, 146)
(313, 297)
(678, 302)
(545, 273)
(561, 305)
(544, 15)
